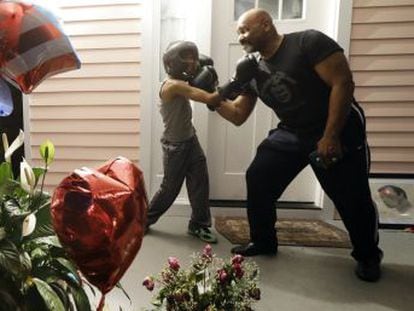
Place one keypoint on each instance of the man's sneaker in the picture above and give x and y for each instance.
(203, 234)
(252, 249)
(369, 271)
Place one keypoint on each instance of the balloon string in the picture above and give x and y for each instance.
(101, 303)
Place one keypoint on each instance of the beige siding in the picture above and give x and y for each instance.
(93, 114)
(382, 59)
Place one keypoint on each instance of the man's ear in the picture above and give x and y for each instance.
(266, 24)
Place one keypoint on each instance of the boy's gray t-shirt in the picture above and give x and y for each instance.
(176, 115)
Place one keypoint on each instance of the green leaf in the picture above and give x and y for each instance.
(50, 298)
(14, 210)
(157, 302)
(6, 173)
(80, 298)
(38, 172)
(39, 201)
(44, 226)
(71, 268)
(47, 151)
(46, 273)
(9, 257)
(62, 293)
(26, 262)
(48, 240)
(38, 253)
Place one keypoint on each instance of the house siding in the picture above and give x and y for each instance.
(382, 60)
(92, 114)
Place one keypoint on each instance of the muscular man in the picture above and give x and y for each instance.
(305, 79)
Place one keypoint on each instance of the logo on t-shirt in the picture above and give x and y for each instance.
(278, 88)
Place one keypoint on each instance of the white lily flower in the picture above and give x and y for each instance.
(16, 144)
(47, 151)
(29, 224)
(5, 142)
(27, 177)
(2, 233)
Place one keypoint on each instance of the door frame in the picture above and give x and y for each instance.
(343, 37)
(149, 95)
(150, 68)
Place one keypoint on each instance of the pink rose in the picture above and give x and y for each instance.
(207, 251)
(173, 263)
(238, 271)
(148, 283)
(222, 276)
(237, 259)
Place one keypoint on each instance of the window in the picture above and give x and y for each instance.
(241, 6)
(292, 9)
(278, 9)
(271, 6)
(174, 16)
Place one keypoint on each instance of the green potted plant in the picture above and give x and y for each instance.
(209, 284)
(35, 273)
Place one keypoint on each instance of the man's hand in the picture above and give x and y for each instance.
(246, 69)
(330, 150)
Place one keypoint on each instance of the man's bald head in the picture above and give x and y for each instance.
(255, 16)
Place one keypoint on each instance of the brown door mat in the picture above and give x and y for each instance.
(296, 232)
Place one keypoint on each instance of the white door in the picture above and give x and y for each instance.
(230, 148)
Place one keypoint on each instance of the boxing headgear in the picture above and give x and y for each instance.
(173, 59)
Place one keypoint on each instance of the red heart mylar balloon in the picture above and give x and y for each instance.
(99, 216)
(33, 45)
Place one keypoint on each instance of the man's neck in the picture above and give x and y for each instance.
(272, 47)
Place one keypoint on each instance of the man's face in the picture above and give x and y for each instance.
(250, 35)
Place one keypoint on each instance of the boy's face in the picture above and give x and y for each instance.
(191, 62)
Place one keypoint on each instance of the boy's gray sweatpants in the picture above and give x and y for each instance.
(183, 160)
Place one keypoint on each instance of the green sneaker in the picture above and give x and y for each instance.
(203, 234)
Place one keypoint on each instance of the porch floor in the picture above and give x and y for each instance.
(298, 278)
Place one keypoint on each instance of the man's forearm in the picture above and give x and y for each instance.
(339, 107)
(228, 111)
(238, 110)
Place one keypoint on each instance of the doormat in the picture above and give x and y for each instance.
(294, 232)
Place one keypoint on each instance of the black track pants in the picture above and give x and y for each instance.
(283, 155)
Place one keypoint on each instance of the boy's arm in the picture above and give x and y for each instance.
(175, 88)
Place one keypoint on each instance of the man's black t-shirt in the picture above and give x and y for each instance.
(288, 83)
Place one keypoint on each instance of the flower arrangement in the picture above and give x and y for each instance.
(209, 284)
(35, 273)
